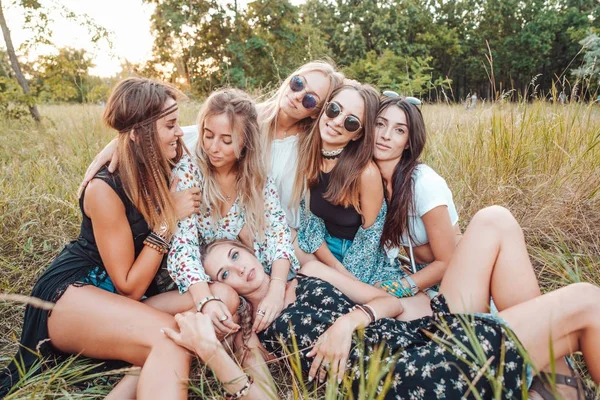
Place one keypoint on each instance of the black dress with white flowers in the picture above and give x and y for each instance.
(446, 356)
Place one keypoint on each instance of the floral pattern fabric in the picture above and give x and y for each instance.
(365, 258)
(438, 357)
(184, 263)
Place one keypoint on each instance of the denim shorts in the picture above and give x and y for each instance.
(99, 277)
(338, 246)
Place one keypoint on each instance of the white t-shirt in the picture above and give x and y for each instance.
(190, 137)
(284, 156)
(430, 191)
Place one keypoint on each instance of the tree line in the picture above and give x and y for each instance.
(439, 50)
(435, 49)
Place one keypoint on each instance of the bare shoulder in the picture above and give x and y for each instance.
(370, 177)
(100, 198)
(371, 172)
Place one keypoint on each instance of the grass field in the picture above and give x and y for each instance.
(541, 161)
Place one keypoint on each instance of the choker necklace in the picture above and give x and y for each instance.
(331, 154)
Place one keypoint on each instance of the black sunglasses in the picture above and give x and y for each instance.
(309, 101)
(412, 100)
(351, 123)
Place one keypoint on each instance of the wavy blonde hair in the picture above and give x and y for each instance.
(269, 109)
(143, 168)
(251, 173)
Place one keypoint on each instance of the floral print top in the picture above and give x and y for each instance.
(183, 262)
(365, 258)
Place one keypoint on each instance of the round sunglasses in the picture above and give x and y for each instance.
(351, 123)
(309, 101)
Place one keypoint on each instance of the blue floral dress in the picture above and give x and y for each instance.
(365, 258)
(183, 262)
(446, 356)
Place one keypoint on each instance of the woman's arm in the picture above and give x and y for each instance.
(442, 241)
(108, 153)
(371, 194)
(359, 292)
(197, 335)
(279, 254)
(131, 276)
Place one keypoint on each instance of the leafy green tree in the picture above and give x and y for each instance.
(64, 76)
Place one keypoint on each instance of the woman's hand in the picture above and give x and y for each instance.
(196, 334)
(221, 318)
(332, 349)
(109, 153)
(187, 202)
(270, 307)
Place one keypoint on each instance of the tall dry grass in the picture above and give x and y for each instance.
(541, 161)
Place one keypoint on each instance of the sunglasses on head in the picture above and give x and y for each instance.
(309, 101)
(351, 123)
(412, 100)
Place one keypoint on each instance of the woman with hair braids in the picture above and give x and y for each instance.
(460, 351)
(238, 200)
(98, 280)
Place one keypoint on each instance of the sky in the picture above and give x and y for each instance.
(129, 21)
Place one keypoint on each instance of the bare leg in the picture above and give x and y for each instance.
(566, 319)
(100, 324)
(492, 258)
(126, 389)
(172, 303)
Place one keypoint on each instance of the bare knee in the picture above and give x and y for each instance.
(585, 296)
(227, 294)
(497, 218)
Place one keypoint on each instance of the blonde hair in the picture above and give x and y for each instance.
(133, 108)
(269, 111)
(251, 173)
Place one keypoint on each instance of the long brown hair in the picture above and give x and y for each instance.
(344, 183)
(251, 173)
(133, 108)
(402, 202)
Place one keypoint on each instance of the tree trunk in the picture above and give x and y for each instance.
(15, 63)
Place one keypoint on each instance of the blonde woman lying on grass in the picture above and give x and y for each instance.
(459, 351)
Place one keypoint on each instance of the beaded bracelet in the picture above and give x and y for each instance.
(157, 242)
(205, 300)
(396, 288)
(242, 392)
(276, 278)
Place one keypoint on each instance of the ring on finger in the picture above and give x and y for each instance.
(261, 312)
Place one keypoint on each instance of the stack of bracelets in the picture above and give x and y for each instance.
(158, 241)
(242, 392)
(398, 289)
(368, 310)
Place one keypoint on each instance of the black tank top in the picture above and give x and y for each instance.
(341, 222)
(139, 228)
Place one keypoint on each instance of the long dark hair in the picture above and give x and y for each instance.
(402, 202)
(344, 183)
